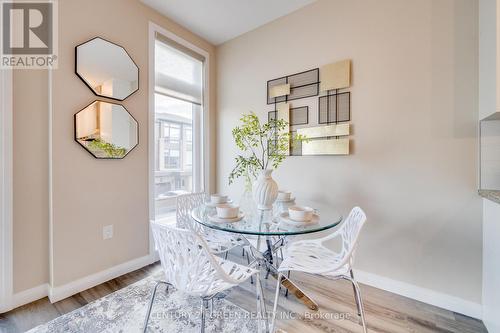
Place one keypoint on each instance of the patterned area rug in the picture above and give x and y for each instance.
(173, 312)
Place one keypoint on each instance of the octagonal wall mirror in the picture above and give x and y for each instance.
(106, 130)
(107, 69)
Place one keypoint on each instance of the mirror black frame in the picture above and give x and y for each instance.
(88, 85)
(85, 148)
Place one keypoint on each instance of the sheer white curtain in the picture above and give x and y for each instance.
(178, 74)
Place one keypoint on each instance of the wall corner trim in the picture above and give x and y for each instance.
(61, 292)
(6, 189)
(445, 301)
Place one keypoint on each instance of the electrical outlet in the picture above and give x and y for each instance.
(107, 231)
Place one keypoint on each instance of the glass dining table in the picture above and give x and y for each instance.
(265, 232)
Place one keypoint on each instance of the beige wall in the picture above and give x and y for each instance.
(90, 193)
(31, 210)
(414, 112)
(87, 193)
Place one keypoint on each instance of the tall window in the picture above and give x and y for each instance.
(178, 119)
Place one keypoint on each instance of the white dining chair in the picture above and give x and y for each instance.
(311, 256)
(190, 267)
(218, 242)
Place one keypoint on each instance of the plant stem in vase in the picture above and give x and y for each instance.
(264, 147)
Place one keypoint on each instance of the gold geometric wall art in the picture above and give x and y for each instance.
(325, 131)
(279, 90)
(301, 85)
(283, 113)
(336, 75)
(333, 108)
(326, 147)
(319, 142)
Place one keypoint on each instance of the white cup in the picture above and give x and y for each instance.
(300, 213)
(284, 195)
(218, 199)
(227, 211)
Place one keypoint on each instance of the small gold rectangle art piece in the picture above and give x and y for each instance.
(326, 147)
(336, 75)
(280, 90)
(283, 113)
(325, 131)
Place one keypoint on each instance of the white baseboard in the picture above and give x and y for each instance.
(67, 290)
(72, 288)
(25, 297)
(5, 305)
(425, 295)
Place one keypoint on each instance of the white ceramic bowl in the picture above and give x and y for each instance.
(284, 195)
(300, 213)
(227, 211)
(218, 198)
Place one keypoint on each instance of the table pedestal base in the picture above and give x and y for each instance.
(296, 291)
(269, 262)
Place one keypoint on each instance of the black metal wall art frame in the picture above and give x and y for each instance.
(272, 115)
(329, 104)
(302, 85)
(294, 115)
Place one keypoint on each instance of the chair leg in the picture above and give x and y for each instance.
(276, 296)
(286, 289)
(354, 290)
(151, 304)
(263, 306)
(248, 262)
(257, 279)
(204, 305)
(357, 295)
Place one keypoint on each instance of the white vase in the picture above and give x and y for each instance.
(265, 190)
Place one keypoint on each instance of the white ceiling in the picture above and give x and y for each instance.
(221, 20)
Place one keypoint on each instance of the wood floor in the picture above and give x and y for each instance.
(385, 312)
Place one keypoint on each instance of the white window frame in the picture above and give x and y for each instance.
(6, 160)
(200, 130)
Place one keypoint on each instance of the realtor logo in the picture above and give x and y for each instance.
(28, 35)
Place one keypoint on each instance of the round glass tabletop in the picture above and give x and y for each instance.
(273, 222)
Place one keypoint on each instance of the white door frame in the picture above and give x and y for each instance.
(205, 136)
(6, 160)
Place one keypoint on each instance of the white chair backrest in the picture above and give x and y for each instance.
(186, 260)
(349, 232)
(185, 204)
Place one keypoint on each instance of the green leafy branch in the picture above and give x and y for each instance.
(110, 149)
(263, 145)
